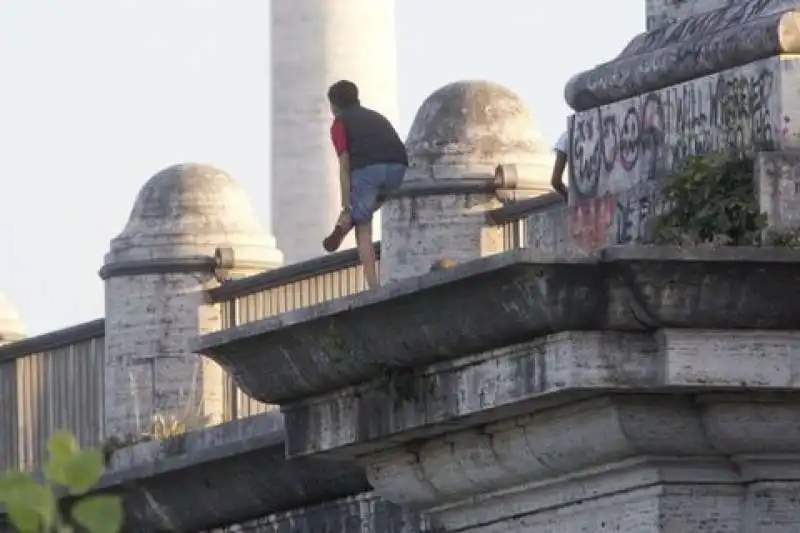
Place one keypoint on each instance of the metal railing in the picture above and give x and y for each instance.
(515, 218)
(57, 380)
(50, 382)
(278, 291)
(291, 287)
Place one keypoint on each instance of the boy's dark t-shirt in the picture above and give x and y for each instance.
(368, 137)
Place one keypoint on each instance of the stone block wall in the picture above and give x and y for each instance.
(620, 151)
(777, 184)
(364, 513)
(425, 229)
(148, 369)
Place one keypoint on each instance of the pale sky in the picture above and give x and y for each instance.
(98, 95)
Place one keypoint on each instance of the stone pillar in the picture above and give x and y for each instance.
(716, 81)
(155, 276)
(460, 134)
(11, 328)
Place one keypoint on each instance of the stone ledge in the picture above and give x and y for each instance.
(595, 488)
(226, 474)
(537, 375)
(582, 452)
(689, 49)
(523, 294)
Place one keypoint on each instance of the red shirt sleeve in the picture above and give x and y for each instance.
(339, 136)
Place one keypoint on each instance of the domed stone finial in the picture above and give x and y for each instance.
(157, 274)
(189, 210)
(474, 125)
(472, 146)
(11, 328)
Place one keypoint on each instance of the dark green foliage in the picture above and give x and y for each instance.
(710, 199)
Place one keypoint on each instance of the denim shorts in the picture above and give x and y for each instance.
(369, 187)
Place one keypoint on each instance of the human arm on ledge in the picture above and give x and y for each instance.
(557, 179)
(341, 145)
(344, 177)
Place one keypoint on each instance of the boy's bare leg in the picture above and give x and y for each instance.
(366, 253)
(343, 226)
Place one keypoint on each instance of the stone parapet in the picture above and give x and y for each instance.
(501, 300)
(642, 389)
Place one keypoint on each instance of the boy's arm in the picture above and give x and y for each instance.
(344, 177)
(340, 144)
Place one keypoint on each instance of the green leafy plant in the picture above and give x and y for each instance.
(33, 507)
(710, 200)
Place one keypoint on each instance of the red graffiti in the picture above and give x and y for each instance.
(589, 221)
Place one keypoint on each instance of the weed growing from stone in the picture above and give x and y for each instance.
(711, 200)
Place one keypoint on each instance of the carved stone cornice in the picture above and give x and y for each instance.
(533, 376)
(626, 446)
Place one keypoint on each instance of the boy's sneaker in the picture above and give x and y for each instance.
(332, 242)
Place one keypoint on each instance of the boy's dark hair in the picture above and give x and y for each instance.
(343, 94)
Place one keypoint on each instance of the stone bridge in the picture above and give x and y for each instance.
(563, 375)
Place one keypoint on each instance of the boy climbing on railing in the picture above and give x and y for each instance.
(372, 164)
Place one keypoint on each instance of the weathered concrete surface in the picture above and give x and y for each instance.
(634, 142)
(364, 513)
(534, 376)
(418, 231)
(347, 340)
(463, 130)
(621, 152)
(777, 184)
(183, 212)
(223, 475)
(522, 294)
(547, 229)
(577, 454)
(698, 46)
(631, 461)
(662, 12)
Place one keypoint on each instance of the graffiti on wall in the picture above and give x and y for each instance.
(623, 218)
(589, 222)
(616, 146)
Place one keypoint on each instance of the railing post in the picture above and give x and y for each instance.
(233, 321)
